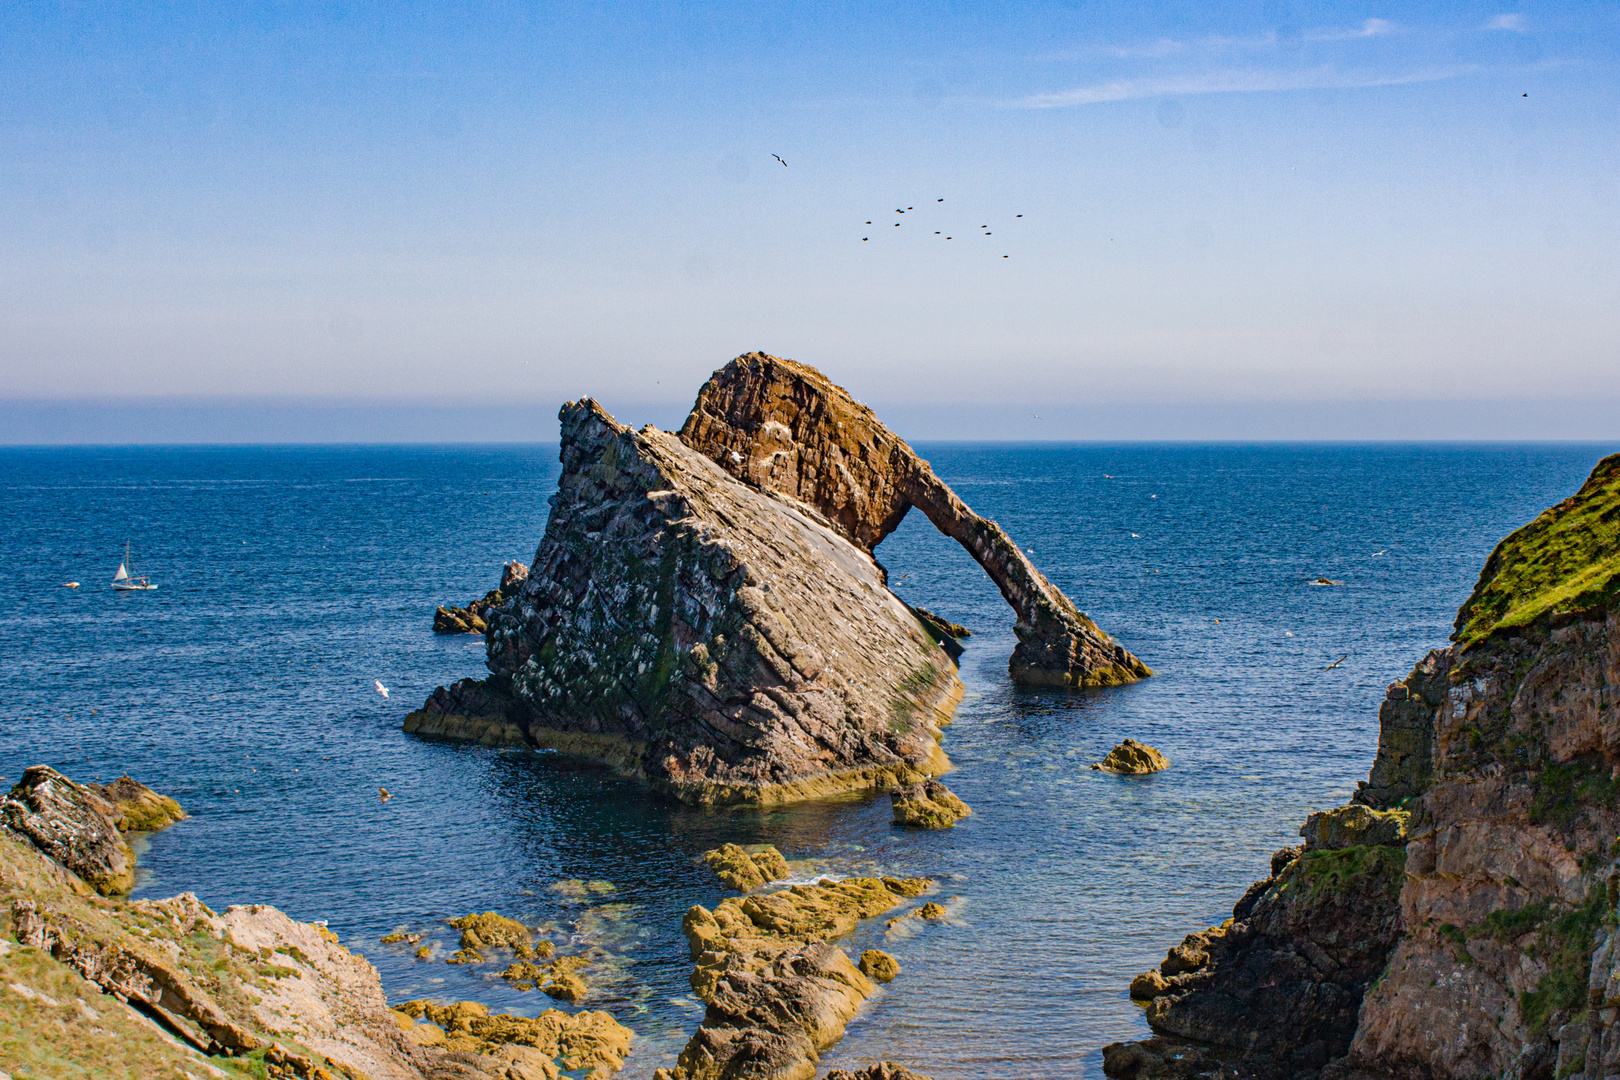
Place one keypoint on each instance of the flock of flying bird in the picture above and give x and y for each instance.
(984, 230)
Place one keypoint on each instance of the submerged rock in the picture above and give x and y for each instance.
(723, 642)
(927, 805)
(73, 825)
(1131, 758)
(777, 991)
(744, 870)
(470, 619)
(783, 426)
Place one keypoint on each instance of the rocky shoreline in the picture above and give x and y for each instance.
(1457, 918)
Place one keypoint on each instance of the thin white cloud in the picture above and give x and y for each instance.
(1155, 50)
(1511, 20)
(1325, 77)
(1368, 29)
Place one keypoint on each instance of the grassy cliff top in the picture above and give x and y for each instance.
(1567, 560)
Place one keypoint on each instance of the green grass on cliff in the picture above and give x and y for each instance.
(1567, 560)
(1566, 946)
(1331, 874)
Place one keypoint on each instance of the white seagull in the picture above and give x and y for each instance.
(381, 689)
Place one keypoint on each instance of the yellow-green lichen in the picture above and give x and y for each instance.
(1566, 560)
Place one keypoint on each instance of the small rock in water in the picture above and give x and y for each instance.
(744, 870)
(928, 805)
(883, 1070)
(1148, 985)
(1131, 758)
(490, 929)
(879, 965)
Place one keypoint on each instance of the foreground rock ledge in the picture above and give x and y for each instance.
(783, 426)
(723, 642)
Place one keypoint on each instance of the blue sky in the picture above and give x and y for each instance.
(1236, 206)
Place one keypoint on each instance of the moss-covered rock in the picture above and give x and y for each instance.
(743, 869)
(1131, 758)
(1565, 561)
(136, 807)
(490, 930)
(1353, 826)
(927, 805)
(72, 825)
(879, 966)
(592, 1042)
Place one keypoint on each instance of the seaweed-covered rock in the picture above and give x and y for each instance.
(592, 1042)
(1131, 758)
(783, 426)
(927, 805)
(777, 991)
(136, 807)
(879, 966)
(744, 870)
(73, 825)
(490, 930)
(723, 642)
(470, 619)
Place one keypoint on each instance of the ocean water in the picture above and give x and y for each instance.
(291, 578)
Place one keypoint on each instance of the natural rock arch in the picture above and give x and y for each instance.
(783, 426)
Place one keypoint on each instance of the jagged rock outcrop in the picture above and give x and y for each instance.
(724, 642)
(928, 804)
(883, 1070)
(1504, 750)
(782, 426)
(136, 807)
(73, 825)
(470, 619)
(777, 992)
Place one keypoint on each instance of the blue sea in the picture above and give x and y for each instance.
(291, 578)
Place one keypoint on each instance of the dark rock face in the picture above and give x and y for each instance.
(1404, 767)
(783, 426)
(883, 1070)
(1274, 991)
(72, 825)
(723, 642)
(470, 619)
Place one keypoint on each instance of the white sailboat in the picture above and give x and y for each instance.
(124, 581)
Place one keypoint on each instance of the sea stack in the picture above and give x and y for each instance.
(704, 610)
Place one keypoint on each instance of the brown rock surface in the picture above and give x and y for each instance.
(470, 619)
(725, 643)
(883, 1070)
(783, 426)
(136, 807)
(744, 870)
(776, 991)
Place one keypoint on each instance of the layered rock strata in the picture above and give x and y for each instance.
(470, 619)
(1496, 768)
(724, 642)
(782, 426)
(776, 991)
(150, 987)
(81, 826)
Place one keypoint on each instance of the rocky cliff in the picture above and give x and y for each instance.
(721, 640)
(783, 426)
(1490, 950)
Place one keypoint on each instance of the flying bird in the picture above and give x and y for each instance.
(385, 794)
(381, 689)
(1337, 662)
(784, 164)
(1378, 553)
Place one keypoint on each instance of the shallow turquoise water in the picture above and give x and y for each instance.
(290, 578)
